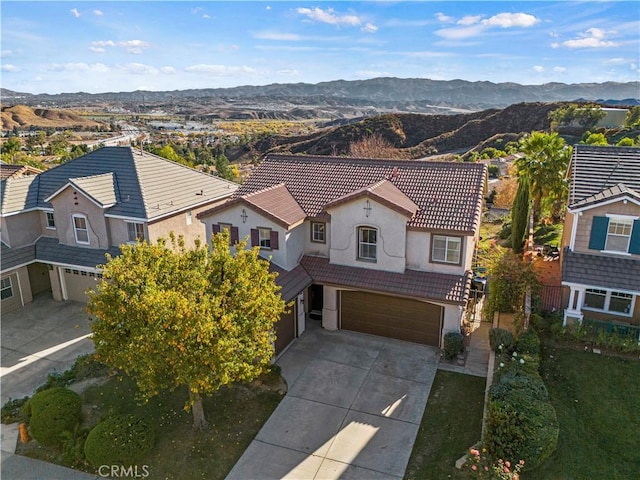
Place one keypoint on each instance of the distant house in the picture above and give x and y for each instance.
(14, 171)
(377, 246)
(601, 238)
(58, 225)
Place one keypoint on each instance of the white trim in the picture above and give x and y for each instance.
(621, 216)
(84, 194)
(75, 229)
(63, 284)
(574, 230)
(20, 288)
(126, 219)
(584, 286)
(46, 219)
(607, 303)
(603, 203)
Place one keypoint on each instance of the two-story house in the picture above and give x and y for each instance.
(377, 246)
(57, 226)
(601, 237)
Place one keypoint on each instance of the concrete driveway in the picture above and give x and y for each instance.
(352, 411)
(43, 337)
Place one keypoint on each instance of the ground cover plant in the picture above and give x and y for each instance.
(451, 423)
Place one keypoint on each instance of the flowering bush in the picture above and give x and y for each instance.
(482, 467)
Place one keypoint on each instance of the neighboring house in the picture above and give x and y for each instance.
(57, 226)
(377, 246)
(8, 170)
(601, 237)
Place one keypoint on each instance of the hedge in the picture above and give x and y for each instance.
(500, 337)
(51, 413)
(453, 344)
(119, 440)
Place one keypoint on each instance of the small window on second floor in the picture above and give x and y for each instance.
(81, 229)
(135, 232)
(264, 237)
(51, 223)
(189, 217)
(318, 234)
(367, 244)
(618, 235)
(446, 249)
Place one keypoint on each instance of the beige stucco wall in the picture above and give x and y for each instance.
(70, 202)
(315, 248)
(20, 288)
(391, 238)
(21, 229)
(419, 253)
(585, 220)
(46, 231)
(452, 319)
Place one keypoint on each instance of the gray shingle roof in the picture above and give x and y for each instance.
(597, 168)
(605, 271)
(50, 250)
(145, 186)
(617, 191)
(412, 283)
(449, 195)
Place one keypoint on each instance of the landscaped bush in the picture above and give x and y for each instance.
(528, 342)
(119, 440)
(517, 383)
(13, 410)
(501, 337)
(453, 344)
(85, 366)
(51, 413)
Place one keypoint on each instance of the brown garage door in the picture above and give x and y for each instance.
(285, 330)
(393, 317)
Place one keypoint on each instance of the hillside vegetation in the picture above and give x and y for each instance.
(21, 116)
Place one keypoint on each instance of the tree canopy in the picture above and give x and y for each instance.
(169, 316)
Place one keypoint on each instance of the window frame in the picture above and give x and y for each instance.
(606, 307)
(80, 216)
(626, 222)
(314, 238)
(141, 238)
(50, 220)
(362, 243)
(266, 240)
(4, 288)
(447, 238)
(189, 217)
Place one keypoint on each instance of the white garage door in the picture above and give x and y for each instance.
(77, 282)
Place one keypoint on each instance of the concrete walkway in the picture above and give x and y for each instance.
(352, 411)
(476, 361)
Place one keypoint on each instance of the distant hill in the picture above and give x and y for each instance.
(23, 117)
(340, 98)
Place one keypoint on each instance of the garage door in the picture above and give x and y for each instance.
(393, 317)
(77, 282)
(285, 330)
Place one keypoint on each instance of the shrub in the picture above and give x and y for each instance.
(453, 344)
(51, 413)
(119, 440)
(13, 410)
(517, 383)
(528, 342)
(500, 336)
(85, 366)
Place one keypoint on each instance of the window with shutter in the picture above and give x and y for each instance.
(598, 238)
(634, 243)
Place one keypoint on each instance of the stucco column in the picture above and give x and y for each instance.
(330, 308)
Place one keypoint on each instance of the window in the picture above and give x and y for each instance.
(264, 237)
(189, 217)
(367, 243)
(446, 249)
(135, 232)
(51, 223)
(318, 232)
(618, 235)
(80, 229)
(608, 301)
(6, 289)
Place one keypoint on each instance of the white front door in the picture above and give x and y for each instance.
(301, 314)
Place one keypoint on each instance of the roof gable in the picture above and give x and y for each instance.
(383, 192)
(449, 195)
(100, 189)
(614, 194)
(277, 204)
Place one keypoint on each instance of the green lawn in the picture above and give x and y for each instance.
(597, 400)
(234, 414)
(452, 422)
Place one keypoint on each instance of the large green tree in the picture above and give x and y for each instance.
(545, 162)
(169, 316)
(520, 214)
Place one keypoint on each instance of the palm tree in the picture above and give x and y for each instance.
(545, 164)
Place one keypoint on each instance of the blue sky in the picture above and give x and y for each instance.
(53, 47)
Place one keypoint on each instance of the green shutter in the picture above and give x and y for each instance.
(634, 244)
(598, 238)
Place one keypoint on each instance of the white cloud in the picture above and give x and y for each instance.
(559, 69)
(329, 16)
(75, 12)
(288, 37)
(289, 73)
(441, 17)
(6, 53)
(204, 15)
(97, 49)
(7, 67)
(469, 20)
(218, 70)
(459, 33)
(369, 28)
(138, 69)
(538, 68)
(77, 67)
(268, 7)
(592, 38)
(98, 13)
(509, 20)
(616, 61)
(168, 70)
(134, 47)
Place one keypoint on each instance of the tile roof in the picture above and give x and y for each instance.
(292, 282)
(50, 250)
(605, 271)
(618, 191)
(8, 170)
(277, 203)
(99, 187)
(18, 194)
(412, 283)
(146, 186)
(597, 168)
(383, 192)
(449, 194)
